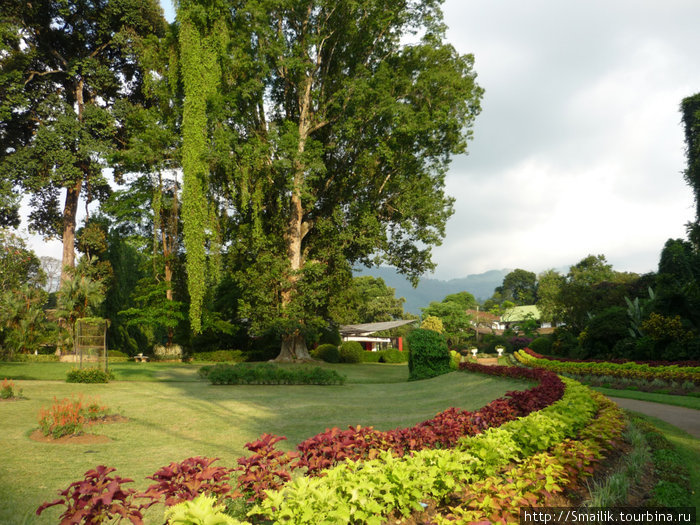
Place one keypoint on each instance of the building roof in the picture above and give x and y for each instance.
(370, 328)
(521, 313)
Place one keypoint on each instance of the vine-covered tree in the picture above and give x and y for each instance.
(690, 110)
(332, 138)
(66, 63)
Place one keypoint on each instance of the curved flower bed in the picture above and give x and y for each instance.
(626, 370)
(524, 462)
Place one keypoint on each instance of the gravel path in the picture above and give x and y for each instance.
(686, 419)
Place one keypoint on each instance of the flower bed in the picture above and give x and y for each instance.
(67, 416)
(629, 370)
(522, 441)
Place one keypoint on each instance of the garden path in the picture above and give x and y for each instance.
(686, 419)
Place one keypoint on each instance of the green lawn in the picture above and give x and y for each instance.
(666, 399)
(174, 415)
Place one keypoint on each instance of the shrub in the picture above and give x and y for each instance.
(326, 352)
(269, 374)
(372, 357)
(219, 356)
(350, 352)
(542, 345)
(455, 359)
(429, 356)
(392, 355)
(116, 353)
(88, 375)
(167, 353)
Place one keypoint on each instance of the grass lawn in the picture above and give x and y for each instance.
(689, 449)
(666, 399)
(174, 415)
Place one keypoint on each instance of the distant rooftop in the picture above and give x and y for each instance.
(370, 328)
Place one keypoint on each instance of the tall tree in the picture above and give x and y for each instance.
(367, 300)
(342, 136)
(690, 109)
(65, 65)
(520, 286)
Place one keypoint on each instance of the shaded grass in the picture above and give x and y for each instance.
(171, 420)
(666, 399)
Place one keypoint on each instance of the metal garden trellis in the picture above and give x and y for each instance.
(91, 341)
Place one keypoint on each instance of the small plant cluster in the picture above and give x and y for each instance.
(88, 375)
(100, 497)
(627, 370)
(8, 390)
(269, 374)
(67, 416)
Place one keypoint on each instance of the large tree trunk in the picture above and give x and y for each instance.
(70, 211)
(293, 349)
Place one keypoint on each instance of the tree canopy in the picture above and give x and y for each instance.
(330, 137)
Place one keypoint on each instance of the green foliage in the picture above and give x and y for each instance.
(327, 352)
(519, 286)
(219, 356)
(455, 359)
(351, 352)
(604, 331)
(432, 323)
(88, 375)
(429, 356)
(202, 510)
(392, 355)
(690, 109)
(269, 374)
(542, 344)
(366, 300)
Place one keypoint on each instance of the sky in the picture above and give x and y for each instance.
(579, 147)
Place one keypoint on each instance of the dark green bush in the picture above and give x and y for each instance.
(269, 374)
(604, 331)
(429, 356)
(492, 341)
(351, 352)
(219, 356)
(327, 352)
(372, 357)
(116, 353)
(88, 375)
(542, 345)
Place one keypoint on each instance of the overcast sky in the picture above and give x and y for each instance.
(579, 147)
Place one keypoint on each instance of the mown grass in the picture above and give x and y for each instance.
(174, 415)
(666, 399)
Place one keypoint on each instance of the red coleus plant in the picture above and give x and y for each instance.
(96, 499)
(265, 469)
(184, 481)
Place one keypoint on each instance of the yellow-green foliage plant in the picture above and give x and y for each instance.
(202, 510)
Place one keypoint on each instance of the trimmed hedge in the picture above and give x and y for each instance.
(269, 374)
(350, 352)
(429, 356)
(219, 356)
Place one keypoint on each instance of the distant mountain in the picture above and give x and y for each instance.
(481, 286)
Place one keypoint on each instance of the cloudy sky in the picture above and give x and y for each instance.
(579, 147)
